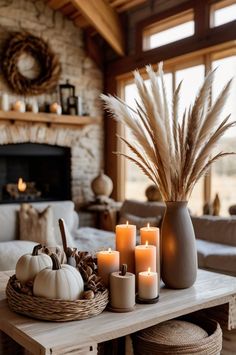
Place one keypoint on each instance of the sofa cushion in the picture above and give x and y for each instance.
(61, 209)
(215, 229)
(37, 226)
(92, 239)
(9, 222)
(10, 252)
(215, 256)
(142, 209)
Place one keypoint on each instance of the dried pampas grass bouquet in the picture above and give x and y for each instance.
(173, 151)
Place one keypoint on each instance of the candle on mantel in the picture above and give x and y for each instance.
(152, 236)
(145, 257)
(108, 262)
(125, 244)
(18, 106)
(147, 285)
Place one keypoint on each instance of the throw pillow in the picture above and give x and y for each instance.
(140, 221)
(37, 226)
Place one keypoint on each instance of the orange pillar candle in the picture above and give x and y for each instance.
(152, 236)
(125, 244)
(147, 285)
(145, 257)
(108, 262)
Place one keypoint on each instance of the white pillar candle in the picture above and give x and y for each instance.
(5, 102)
(122, 290)
(152, 236)
(145, 257)
(147, 285)
(108, 262)
(125, 244)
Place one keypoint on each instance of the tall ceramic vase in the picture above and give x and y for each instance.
(179, 254)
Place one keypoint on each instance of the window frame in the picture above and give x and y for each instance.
(118, 68)
(165, 24)
(161, 17)
(205, 57)
(217, 6)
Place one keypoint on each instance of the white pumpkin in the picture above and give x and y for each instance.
(29, 265)
(59, 282)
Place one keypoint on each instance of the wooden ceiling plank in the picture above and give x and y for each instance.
(115, 3)
(81, 21)
(57, 4)
(128, 5)
(68, 9)
(75, 14)
(106, 21)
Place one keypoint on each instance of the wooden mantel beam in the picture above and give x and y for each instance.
(106, 21)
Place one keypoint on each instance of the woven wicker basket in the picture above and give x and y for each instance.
(179, 337)
(54, 309)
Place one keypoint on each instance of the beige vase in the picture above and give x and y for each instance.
(178, 246)
(102, 185)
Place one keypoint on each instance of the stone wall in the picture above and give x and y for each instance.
(67, 42)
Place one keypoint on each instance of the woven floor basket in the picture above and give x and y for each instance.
(54, 309)
(179, 337)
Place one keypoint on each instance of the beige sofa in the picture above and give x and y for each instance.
(215, 236)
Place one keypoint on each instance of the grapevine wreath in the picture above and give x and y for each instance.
(21, 43)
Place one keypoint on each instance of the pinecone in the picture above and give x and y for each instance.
(95, 284)
(86, 265)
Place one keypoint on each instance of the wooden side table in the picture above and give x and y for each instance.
(105, 215)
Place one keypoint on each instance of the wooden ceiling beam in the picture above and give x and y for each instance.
(106, 21)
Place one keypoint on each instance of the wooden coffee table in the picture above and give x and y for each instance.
(214, 293)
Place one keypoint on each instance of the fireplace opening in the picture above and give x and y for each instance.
(34, 172)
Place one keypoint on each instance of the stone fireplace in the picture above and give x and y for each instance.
(82, 158)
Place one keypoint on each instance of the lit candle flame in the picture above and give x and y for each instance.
(149, 270)
(21, 185)
(127, 223)
(146, 244)
(148, 225)
(109, 250)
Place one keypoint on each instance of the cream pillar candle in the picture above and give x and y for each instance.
(125, 244)
(147, 285)
(108, 261)
(122, 290)
(152, 236)
(5, 102)
(145, 257)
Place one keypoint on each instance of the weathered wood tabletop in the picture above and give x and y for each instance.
(82, 337)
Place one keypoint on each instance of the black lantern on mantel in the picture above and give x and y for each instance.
(66, 90)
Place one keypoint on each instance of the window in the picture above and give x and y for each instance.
(169, 30)
(223, 12)
(224, 171)
(192, 69)
(135, 180)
